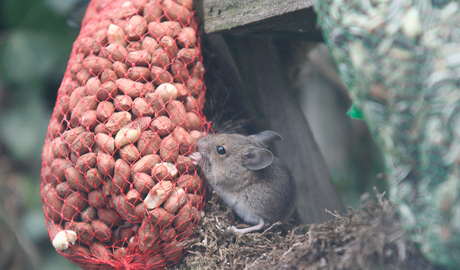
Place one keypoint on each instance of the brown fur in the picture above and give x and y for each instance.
(267, 193)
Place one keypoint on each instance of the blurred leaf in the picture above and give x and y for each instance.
(34, 224)
(32, 14)
(62, 7)
(54, 261)
(30, 56)
(23, 128)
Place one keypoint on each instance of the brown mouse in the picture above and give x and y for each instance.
(248, 177)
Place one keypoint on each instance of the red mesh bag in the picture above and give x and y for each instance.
(118, 187)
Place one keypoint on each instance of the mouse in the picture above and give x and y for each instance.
(257, 185)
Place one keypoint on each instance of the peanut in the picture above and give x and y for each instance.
(143, 182)
(192, 121)
(105, 163)
(156, 102)
(179, 71)
(191, 183)
(85, 232)
(159, 216)
(142, 123)
(184, 164)
(188, 56)
(185, 140)
(157, 30)
(182, 92)
(58, 168)
(176, 12)
(52, 204)
(129, 152)
(166, 91)
(100, 251)
(108, 216)
(169, 45)
(116, 121)
(73, 205)
(160, 172)
(102, 232)
(168, 234)
(194, 85)
(173, 252)
(88, 214)
(149, 44)
(195, 200)
(141, 107)
(148, 236)
(116, 35)
(162, 125)
(183, 220)
(175, 200)
(176, 112)
(138, 58)
(83, 143)
(125, 209)
(135, 27)
(93, 84)
(121, 69)
(159, 75)
(126, 136)
(160, 58)
(130, 88)
(97, 199)
(122, 176)
(60, 148)
(114, 52)
(186, 37)
(86, 162)
(139, 74)
(108, 75)
(149, 143)
(152, 12)
(145, 164)
(158, 194)
(96, 64)
(105, 143)
(169, 149)
(62, 190)
(63, 238)
(123, 103)
(94, 178)
(75, 179)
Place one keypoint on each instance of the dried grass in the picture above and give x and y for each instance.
(371, 238)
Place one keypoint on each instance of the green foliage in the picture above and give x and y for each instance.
(35, 46)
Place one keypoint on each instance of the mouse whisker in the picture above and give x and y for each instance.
(223, 106)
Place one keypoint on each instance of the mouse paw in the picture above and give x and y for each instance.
(197, 158)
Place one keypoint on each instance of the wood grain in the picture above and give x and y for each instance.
(260, 17)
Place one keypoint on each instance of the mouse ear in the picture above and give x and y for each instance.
(265, 137)
(257, 158)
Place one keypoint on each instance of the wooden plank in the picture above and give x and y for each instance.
(260, 17)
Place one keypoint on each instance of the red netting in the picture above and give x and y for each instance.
(119, 189)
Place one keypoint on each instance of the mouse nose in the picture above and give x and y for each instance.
(200, 145)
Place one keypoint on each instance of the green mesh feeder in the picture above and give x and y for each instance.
(401, 62)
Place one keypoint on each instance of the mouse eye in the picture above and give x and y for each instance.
(220, 150)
